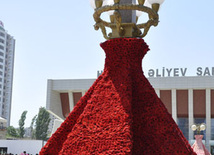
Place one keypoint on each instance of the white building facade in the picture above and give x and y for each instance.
(7, 49)
(188, 99)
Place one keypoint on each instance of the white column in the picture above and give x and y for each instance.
(174, 105)
(83, 92)
(208, 118)
(71, 100)
(190, 112)
(157, 92)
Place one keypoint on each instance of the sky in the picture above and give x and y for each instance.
(56, 40)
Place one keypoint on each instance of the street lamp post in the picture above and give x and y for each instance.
(198, 146)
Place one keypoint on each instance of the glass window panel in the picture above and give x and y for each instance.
(183, 124)
(212, 129)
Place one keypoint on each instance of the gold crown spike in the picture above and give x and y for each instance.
(116, 1)
(141, 2)
(125, 30)
(98, 3)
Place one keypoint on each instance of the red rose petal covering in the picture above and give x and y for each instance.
(120, 113)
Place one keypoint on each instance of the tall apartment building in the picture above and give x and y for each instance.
(7, 48)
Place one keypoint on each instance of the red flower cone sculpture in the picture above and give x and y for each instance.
(120, 113)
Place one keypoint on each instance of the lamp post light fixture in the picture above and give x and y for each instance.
(198, 128)
(126, 29)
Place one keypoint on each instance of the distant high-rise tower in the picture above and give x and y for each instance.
(7, 48)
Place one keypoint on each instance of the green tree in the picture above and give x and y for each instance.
(12, 132)
(32, 127)
(42, 123)
(21, 124)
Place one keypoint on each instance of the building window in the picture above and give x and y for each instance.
(212, 150)
(1, 47)
(183, 124)
(2, 34)
(1, 54)
(212, 129)
(1, 60)
(1, 41)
